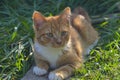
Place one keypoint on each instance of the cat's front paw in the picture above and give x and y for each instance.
(54, 76)
(39, 71)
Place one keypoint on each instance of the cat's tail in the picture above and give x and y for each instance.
(81, 11)
(82, 23)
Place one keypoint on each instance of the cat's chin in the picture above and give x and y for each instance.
(57, 47)
(54, 46)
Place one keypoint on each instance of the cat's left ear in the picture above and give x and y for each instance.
(38, 19)
(65, 15)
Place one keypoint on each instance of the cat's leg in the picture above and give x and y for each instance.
(91, 47)
(41, 67)
(62, 72)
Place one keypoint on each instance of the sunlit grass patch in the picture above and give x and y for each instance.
(104, 61)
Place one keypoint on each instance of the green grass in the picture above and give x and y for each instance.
(104, 61)
(16, 38)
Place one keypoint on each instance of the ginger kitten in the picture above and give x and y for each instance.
(61, 42)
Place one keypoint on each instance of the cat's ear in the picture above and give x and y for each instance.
(38, 19)
(67, 11)
(65, 15)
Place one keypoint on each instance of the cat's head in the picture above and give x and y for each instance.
(52, 31)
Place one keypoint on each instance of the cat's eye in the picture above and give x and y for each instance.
(63, 33)
(49, 34)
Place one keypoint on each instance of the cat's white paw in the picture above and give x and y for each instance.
(54, 76)
(39, 71)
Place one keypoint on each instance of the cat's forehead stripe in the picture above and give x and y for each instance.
(55, 26)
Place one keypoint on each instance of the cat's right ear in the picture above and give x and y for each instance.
(38, 19)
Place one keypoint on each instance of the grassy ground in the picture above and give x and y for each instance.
(16, 38)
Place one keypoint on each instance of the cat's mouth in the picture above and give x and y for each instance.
(58, 46)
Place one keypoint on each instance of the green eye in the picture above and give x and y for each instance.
(49, 34)
(63, 33)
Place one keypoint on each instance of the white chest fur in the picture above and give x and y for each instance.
(50, 54)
